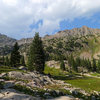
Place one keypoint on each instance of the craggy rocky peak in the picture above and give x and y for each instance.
(5, 40)
(24, 41)
(75, 31)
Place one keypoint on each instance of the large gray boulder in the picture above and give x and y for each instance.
(34, 79)
(11, 94)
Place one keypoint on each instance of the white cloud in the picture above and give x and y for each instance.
(10, 2)
(16, 16)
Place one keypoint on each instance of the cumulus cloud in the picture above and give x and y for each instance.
(16, 16)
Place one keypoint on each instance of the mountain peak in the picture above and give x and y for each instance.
(85, 26)
(5, 40)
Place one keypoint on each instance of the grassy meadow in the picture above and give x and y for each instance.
(88, 84)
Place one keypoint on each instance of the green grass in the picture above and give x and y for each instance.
(29, 91)
(8, 69)
(95, 74)
(86, 83)
(58, 74)
(2, 70)
(55, 73)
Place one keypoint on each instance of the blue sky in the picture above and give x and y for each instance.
(22, 18)
(92, 22)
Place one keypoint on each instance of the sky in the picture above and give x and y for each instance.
(22, 18)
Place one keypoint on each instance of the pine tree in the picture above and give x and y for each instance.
(89, 65)
(0, 61)
(3, 60)
(94, 65)
(98, 64)
(7, 62)
(62, 65)
(72, 62)
(78, 62)
(22, 61)
(36, 60)
(15, 56)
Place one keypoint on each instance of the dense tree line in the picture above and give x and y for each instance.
(91, 65)
(14, 60)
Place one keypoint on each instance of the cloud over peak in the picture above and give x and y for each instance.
(16, 16)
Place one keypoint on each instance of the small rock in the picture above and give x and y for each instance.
(8, 84)
(2, 80)
(46, 94)
(93, 98)
(2, 75)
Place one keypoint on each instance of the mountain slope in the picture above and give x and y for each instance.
(6, 44)
(4, 40)
(83, 42)
(75, 31)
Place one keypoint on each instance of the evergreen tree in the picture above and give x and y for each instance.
(3, 60)
(0, 61)
(98, 64)
(7, 62)
(89, 65)
(72, 62)
(62, 65)
(15, 56)
(36, 60)
(78, 62)
(22, 61)
(94, 65)
(74, 65)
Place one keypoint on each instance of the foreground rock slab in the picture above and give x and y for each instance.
(66, 98)
(11, 94)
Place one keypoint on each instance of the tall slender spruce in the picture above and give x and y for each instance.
(94, 65)
(22, 61)
(15, 56)
(36, 60)
(62, 65)
(7, 62)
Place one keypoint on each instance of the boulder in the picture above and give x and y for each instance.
(11, 94)
(34, 79)
(2, 80)
(2, 75)
(22, 68)
(8, 84)
(93, 98)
